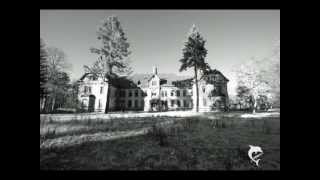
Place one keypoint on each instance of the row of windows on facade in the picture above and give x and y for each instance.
(87, 89)
(172, 93)
(178, 103)
(173, 102)
(85, 103)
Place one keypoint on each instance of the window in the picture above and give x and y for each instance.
(101, 90)
(129, 103)
(136, 103)
(184, 92)
(178, 103)
(130, 93)
(203, 89)
(87, 89)
(185, 103)
(122, 93)
(154, 83)
(219, 90)
(100, 104)
(172, 103)
(165, 93)
(84, 103)
(204, 102)
(178, 93)
(136, 93)
(172, 93)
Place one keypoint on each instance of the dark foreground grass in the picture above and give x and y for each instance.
(189, 144)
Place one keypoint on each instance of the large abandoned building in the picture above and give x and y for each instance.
(155, 95)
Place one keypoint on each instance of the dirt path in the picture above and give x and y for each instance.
(92, 116)
(66, 141)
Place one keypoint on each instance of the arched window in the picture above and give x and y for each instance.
(172, 93)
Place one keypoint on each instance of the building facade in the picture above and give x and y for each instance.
(156, 95)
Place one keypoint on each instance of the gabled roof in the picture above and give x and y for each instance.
(183, 83)
(117, 81)
(85, 75)
(215, 71)
(123, 83)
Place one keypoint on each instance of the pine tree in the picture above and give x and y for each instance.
(112, 54)
(194, 54)
(43, 73)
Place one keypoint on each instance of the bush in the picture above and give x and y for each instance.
(158, 132)
(49, 134)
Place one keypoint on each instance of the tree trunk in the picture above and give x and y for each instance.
(41, 100)
(109, 71)
(53, 103)
(254, 106)
(108, 99)
(197, 88)
(42, 104)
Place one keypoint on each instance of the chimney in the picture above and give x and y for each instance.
(155, 71)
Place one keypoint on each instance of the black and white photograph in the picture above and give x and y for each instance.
(160, 89)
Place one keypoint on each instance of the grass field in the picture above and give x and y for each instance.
(206, 142)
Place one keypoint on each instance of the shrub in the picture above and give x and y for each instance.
(158, 132)
(49, 134)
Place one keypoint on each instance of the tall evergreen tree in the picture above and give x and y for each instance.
(194, 54)
(112, 54)
(43, 73)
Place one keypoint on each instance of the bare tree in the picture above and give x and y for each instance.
(58, 78)
(43, 74)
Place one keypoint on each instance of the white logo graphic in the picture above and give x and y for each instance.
(255, 152)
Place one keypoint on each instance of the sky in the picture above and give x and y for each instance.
(157, 37)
